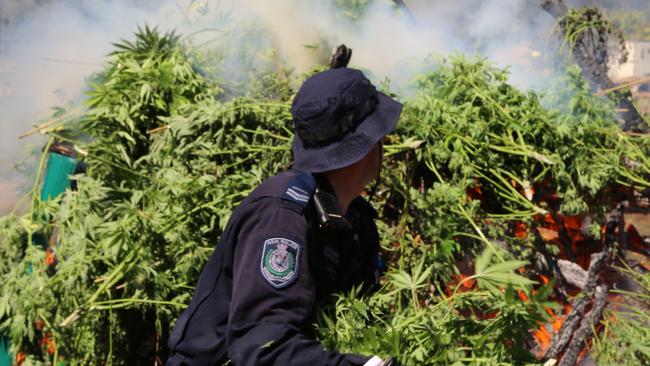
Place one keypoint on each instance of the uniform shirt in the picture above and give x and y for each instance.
(255, 298)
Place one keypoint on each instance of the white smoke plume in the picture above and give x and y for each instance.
(49, 48)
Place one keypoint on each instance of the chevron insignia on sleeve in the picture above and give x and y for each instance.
(300, 189)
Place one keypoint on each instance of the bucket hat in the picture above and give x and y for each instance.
(339, 116)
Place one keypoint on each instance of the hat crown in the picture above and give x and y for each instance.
(331, 104)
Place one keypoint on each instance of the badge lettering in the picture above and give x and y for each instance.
(280, 262)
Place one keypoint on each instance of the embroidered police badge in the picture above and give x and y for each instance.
(280, 262)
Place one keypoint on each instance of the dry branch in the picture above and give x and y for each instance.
(586, 328)
(589, 56)
(158, 129)
(568, 335)
(568, 327)
(45, 125)
(622, 86)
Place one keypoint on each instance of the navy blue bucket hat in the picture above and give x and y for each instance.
(339, 116)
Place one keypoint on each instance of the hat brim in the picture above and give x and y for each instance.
(354, 145)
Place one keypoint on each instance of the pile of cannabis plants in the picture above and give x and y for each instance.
(472, 169)
(490, 165)
(166, 163)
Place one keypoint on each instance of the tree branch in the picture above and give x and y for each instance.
(595, 69)
(568, 335)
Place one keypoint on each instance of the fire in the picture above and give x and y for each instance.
(544, 279)
(521, 230)
(49, 257)
(48, 343)
(543, 339)
(542, 334)
(569, 234)
(20, 358)
(548, 234)
(545, 333)
(466, 284)
(475, 192)
(557, 322)
(522, 295)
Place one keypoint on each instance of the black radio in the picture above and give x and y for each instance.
(328, 212)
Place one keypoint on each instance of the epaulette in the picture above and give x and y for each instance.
(300, 189)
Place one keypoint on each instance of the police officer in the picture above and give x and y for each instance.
(297, 238)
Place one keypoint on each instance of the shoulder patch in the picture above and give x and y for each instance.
(280, 263)
(300, 189)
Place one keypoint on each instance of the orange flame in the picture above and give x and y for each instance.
(474, 193)
(49, 257)
(543, 336)
(521, 230)
(20, 358)
(522, 295)
(48, 342)
(543, 339)
(466, 284)
(544, 279)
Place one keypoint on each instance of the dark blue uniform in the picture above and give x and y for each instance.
(255, 298)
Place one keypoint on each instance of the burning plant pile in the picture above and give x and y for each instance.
(501, 219)
(530, 191)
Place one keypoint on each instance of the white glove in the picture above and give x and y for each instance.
(374, 361)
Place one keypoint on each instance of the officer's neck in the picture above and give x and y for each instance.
(347, 185)
(348, 182)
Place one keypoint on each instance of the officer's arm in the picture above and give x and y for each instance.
(273, 296)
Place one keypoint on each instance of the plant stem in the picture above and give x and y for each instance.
(480, 233)
(36, 190)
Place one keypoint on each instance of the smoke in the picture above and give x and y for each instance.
(390, 44)
(48, 49)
